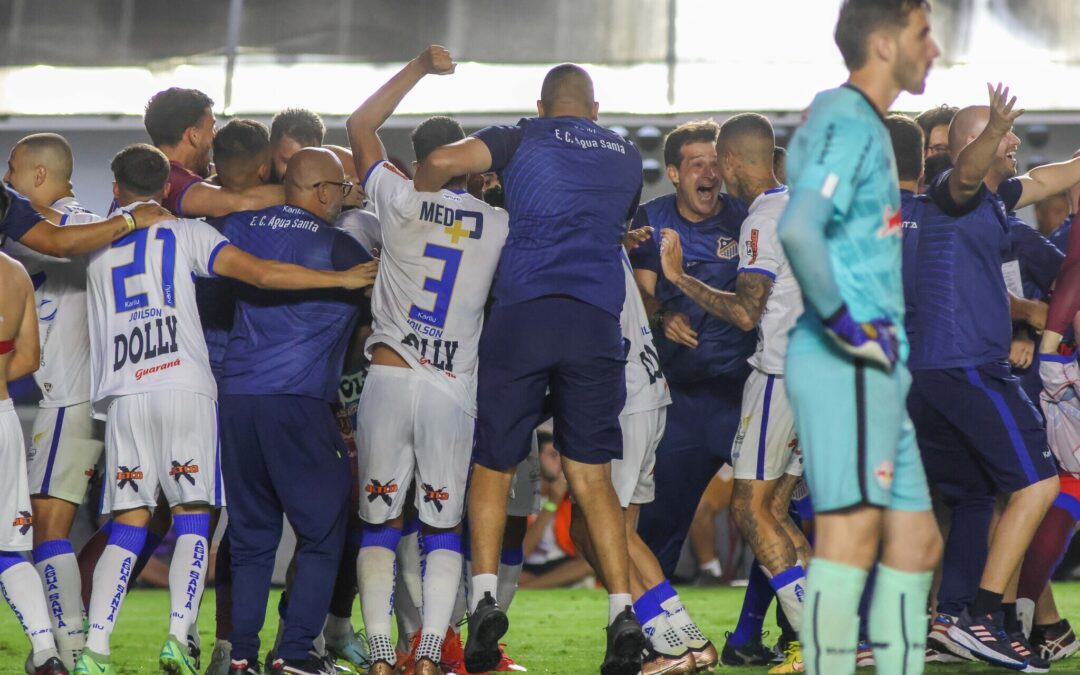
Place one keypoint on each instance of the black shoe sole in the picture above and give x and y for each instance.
(624, 654)
(482, 646)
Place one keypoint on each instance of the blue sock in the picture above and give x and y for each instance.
(512, 556)
(759, 595)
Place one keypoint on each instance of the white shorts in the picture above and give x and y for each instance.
(65, 446)
(632, 475)
(163, 441)
(16, 517)
(525, 497)
(766, 446)
(407, 429)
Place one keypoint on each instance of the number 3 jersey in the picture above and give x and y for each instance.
(440, 253)
(145, 333)
(646, 388)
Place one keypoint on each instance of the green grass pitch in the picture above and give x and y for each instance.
(559, 632)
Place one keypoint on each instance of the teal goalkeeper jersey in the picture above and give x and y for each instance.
(844, 152)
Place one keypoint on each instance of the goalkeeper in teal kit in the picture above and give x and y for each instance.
(845, 368)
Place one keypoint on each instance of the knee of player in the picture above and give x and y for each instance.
(1043, 493)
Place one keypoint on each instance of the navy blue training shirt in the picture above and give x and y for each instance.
(18, 215)
(1039, 259)
(912, 210)
(290, 342)
(216, 303)
(961, 306)
(1060, 236)
(711, 254)
(570, 187)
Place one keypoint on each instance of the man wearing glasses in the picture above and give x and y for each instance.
(280, 442)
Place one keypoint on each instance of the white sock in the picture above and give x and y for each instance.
(408, 561)
(442, 577)
(664, 638)
(790, 587)
(21, 587)
(111, 577)
(508, 582)
(681, 621)
(617, 603)
(459, 606)
(375, 576)
(187, 573)
(59, 571)
(483, 584)
(712, 567)
(406, 613)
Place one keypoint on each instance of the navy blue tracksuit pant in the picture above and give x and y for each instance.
(282, 455)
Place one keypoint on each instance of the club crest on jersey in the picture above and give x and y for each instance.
(884, 474)
(126, 477)
(184, 471)
(751, 247)
(727, 248)
(379, 491)
(892, 224)
(24, 521)
(436, 497)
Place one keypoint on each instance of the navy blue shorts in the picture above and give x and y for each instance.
(983, 413)
(571, 347)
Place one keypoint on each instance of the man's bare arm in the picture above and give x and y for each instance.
(743, 308)
(64, 242)
(973, 162)
(469, 155)
(1048, 180)
(235, 263)
(212, 201)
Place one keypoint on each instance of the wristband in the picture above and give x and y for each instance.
(550, 506)
(129, 219)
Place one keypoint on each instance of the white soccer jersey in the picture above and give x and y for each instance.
(363, 226)
(145, 333)
(646, 387)
(760, 252)
(60, 293)
(440, 252)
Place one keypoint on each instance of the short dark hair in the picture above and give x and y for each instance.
(435, 132)
(239, 142)
(171, 112)
(567, 81)
(928, 120)
(907, 144)
(543, 437)
(698, 131)
(141, 169)
(859, 18)
(747, 124)
(299, 124)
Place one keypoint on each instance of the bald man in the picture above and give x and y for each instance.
(282, 451)
(65, 443)
(978, 432)
(570, 186)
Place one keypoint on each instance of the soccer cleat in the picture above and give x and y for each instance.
(507, 664)
(381, 668)
(352, 649)
(453, 654)
(90, 663)
(1020, 645)
(487, 623)
(423, 666)
(243, 667)
(707, 579)
(625, 644)
(986, 640)
(220, 658)
(752, 653)
(1055, 641)
(53, 666)
(864, 655)
(793, 661)
(175, 658)
(312, 665)
(705, 656)
(194, 649)
(939, 639)
(935, 655)
(655, 663)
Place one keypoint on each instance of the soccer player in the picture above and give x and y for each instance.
(151, 380)
(440, 251)
(964, 401)
(765, 451)
(845, 371)
(704, 357)
(570, 187)
(281, 441)
(65, 442)
(181, 123)
(19, 355)
(291, 130)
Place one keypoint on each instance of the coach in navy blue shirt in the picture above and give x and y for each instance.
(570, 187)
(282, 453)
(703, 357)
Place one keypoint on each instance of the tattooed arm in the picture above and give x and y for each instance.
(743, 308)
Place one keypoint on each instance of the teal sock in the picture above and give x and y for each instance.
(830, 630)
(898, 620)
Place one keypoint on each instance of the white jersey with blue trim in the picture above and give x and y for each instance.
(760, 252)
(145, 333)
(646, 386)
(440, 253)
(60, 293)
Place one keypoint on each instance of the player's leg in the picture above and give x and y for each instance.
(385, 465)
(1051, 635)
(1047, 549)
(702, 533)
(19, 583)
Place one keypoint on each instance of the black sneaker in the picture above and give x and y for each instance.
(984, 637)
(312, 665)
(53, 666)
(1054, 642)
(487, 624)
(244, 667)
(1021, 646)
(752, 653)
(625, 644)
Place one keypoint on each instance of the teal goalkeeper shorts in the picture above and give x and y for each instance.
(857, 440)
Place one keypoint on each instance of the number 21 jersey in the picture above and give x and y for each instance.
(145, 333)
(440, 253)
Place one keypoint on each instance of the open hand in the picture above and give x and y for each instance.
(361, 275)
(637, 237)
(146, 215)
(671, 255)
(1002, 114)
